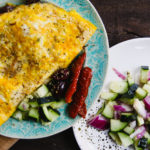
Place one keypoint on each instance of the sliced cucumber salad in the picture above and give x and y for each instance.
(40, 107)
(126, 110)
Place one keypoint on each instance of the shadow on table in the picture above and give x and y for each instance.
(61, 141)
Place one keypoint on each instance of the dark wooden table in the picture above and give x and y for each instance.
(123, 19)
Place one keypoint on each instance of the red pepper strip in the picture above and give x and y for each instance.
(81, 93)
(82, 112)
(76, 69)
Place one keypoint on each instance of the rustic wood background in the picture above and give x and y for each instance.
(123, 19)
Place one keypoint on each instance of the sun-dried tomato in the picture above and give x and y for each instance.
(75, 69)
(82, 112)
(81, 93)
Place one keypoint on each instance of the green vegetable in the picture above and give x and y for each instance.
(117, 125)
(128, 130)
(115, 137)
(125, 139)
(144, 74)
(108, 96)
(140, 120)
(119, 87)
(18, 115)
(23, 106)
(141, 93)
(128, 117)
(108, 111)
(42, 91)
(130, 79)
(33, 113)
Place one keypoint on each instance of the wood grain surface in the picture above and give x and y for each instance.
(123, 19)
(6, 143)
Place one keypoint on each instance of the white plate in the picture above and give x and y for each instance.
(126, 56)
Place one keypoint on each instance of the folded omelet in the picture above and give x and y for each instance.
(35, 41)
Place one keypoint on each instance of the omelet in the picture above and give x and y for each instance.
(35, 41)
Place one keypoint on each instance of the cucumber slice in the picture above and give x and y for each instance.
(140, 108)
(136, 145)
(18, 115)
(48, 94)
(25, 115)
(141, 93)
(23, 106)
(117, 125)
(127, 100)
(42, 91)
(128, 130)
(57, 104)
(146, 87)
(138, 148)
(125, 139)
(144, 74)
(50, 114)
(108, 111)
(148, 82)
(131, 92)
(130, 79)
(33, 103)
(127, 117)
(44, 123)
(101, 109)
(33, 113)
(119, 87)
(147, 135)
(140, 120)
(115, 137)
(45, 100)
(108, 96)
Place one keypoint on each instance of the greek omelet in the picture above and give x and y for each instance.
(35, 41)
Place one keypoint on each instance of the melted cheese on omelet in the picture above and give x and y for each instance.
(35, 41)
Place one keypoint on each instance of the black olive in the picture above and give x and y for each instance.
(57, 88)
(6, 8)
(61, 74)
(31, 1)
(143, 143)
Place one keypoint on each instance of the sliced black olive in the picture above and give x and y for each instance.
(43, 100)
(57, 88)
(145, 67)
(61, 74)
(143, 143)
(131, 91)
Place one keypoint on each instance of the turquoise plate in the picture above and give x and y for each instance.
(97, 58)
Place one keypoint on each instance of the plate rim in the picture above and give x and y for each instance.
(110, 49)
(106, 70)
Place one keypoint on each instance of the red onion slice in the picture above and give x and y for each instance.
(99, 122)
(139, 132)
(120, 75)
(147, 102)
(123, 108)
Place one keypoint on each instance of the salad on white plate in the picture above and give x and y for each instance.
(131, 58)
(126, 110)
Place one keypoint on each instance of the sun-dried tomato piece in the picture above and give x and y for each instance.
(82, 112)
(81, 93)
(75, 69)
